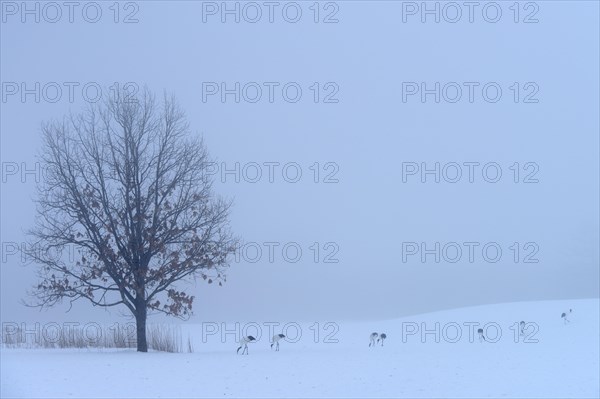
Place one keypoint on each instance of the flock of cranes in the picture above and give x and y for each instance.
(375, 337)
(244, 341)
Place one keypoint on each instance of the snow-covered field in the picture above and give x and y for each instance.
(563, 363)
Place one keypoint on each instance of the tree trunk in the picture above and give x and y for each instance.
(140, 321)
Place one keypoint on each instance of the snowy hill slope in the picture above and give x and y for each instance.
(564, 362)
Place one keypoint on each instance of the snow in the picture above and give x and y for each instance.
(564, 363)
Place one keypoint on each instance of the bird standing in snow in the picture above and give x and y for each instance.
(275, 341)
(565, 314)
(373, 338)
(244, 343)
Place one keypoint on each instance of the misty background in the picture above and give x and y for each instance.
(360, 210)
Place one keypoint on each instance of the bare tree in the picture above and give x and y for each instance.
(126, 185)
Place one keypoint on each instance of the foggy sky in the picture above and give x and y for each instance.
(366, 211)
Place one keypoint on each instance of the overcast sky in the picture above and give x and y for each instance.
(360, 133)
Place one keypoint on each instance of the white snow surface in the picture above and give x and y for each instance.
(563, 363)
